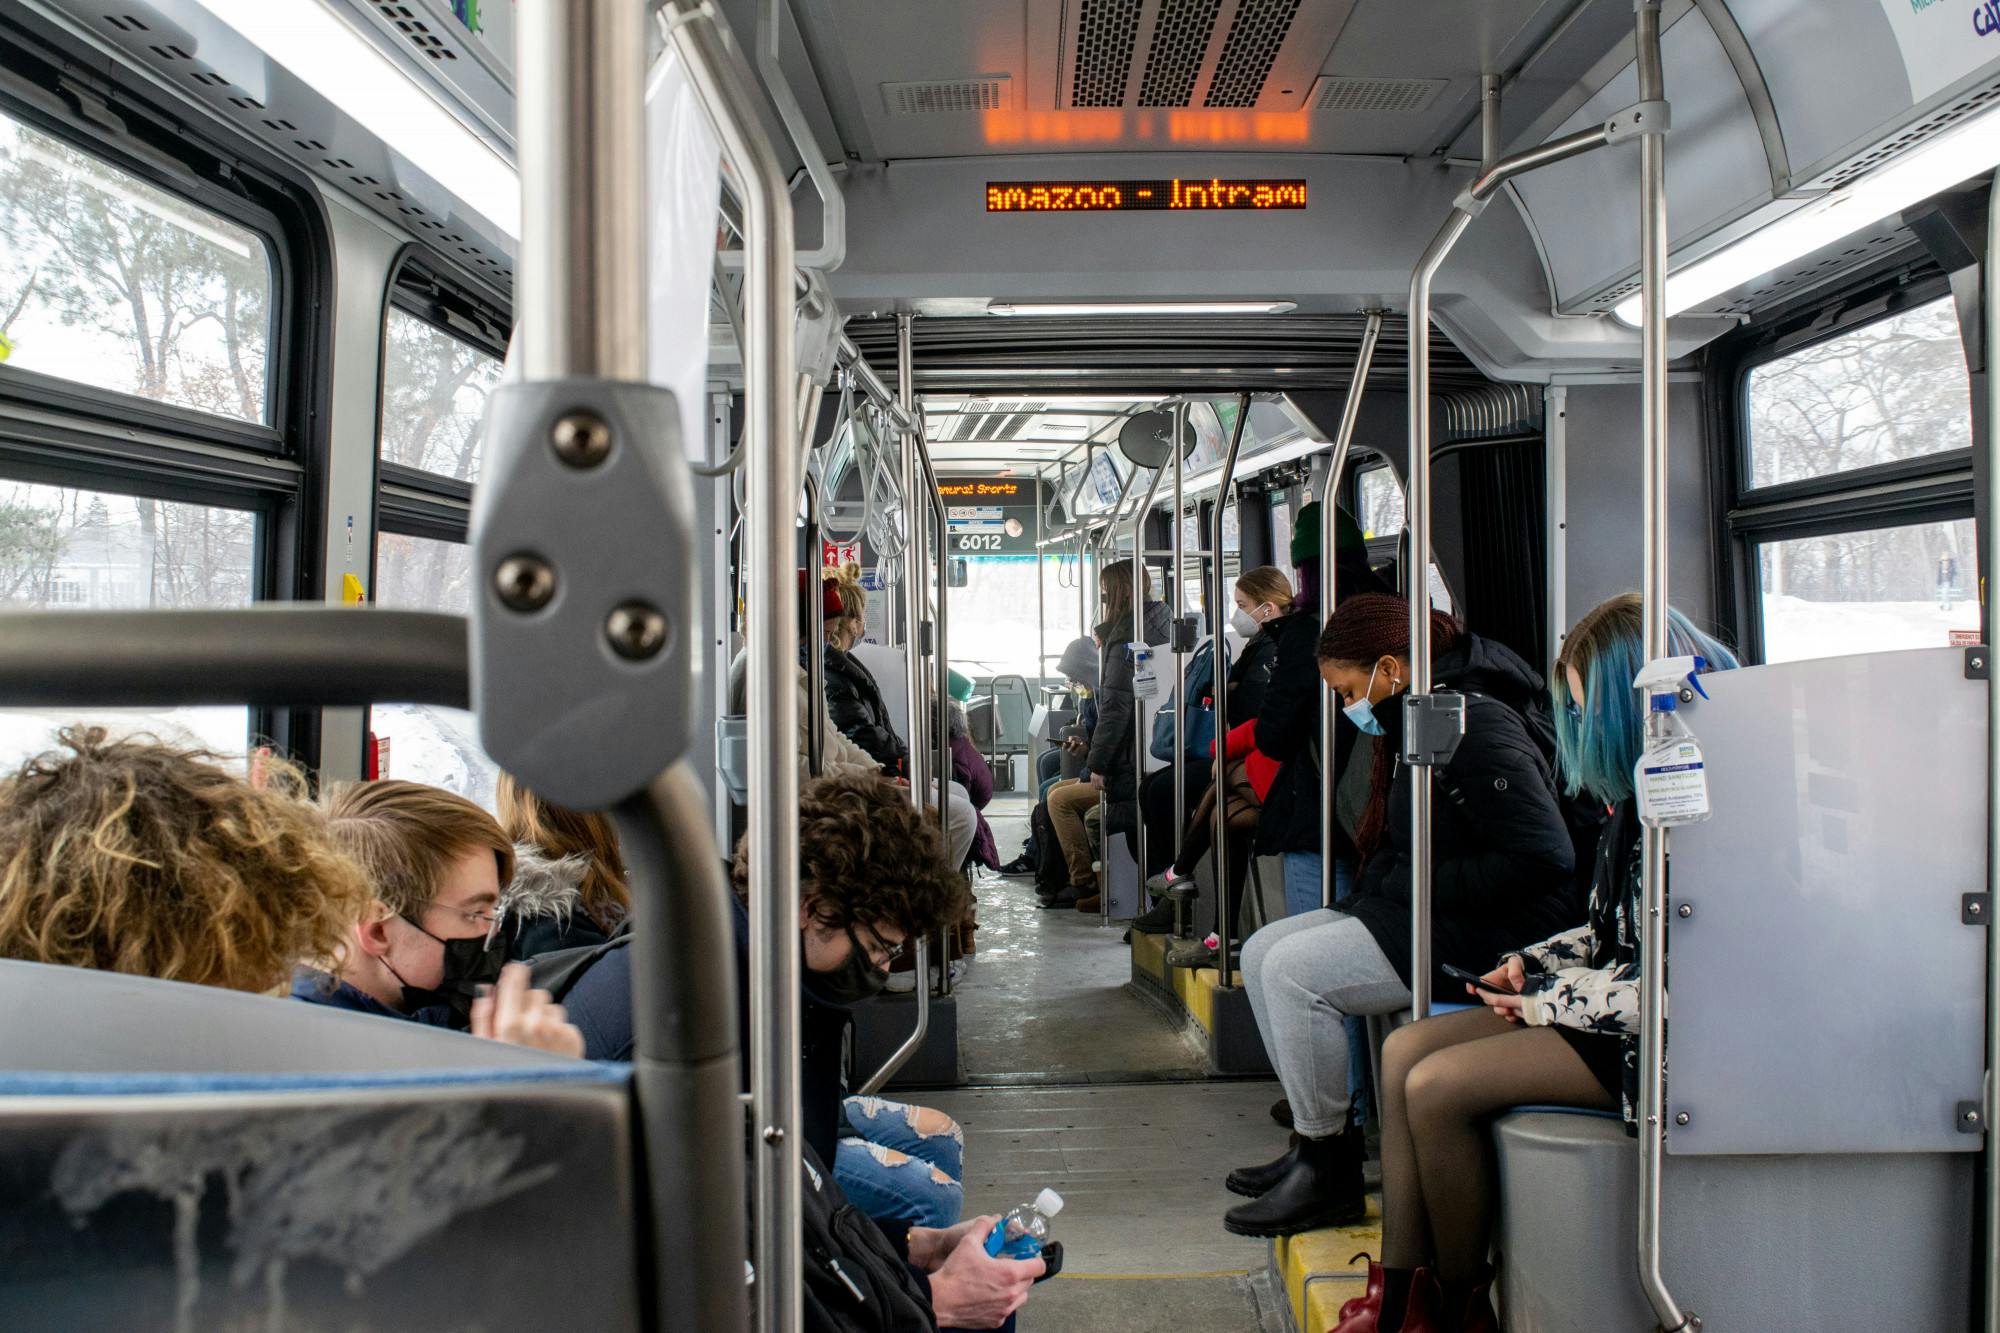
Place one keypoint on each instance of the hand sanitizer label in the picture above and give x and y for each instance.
(1673, 784)
(1145, 681)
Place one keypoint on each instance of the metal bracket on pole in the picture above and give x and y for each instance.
(1433, 725)
(1650, 117)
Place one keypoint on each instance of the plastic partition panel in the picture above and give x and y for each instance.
(1826, 996)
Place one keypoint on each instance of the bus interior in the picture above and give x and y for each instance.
(437, 389)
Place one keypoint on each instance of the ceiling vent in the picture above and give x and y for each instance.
(982, 92)
(1928, 128)
(1255, 39)
(1342, 92)
(1106, 34)
(1174, 58)
(1253, 55)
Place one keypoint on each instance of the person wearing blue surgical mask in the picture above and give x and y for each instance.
(1501, 860)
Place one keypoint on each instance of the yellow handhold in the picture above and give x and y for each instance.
(351, 591)
(6, 348)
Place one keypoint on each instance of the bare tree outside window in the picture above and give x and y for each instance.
(109, 282)
(1890, 391)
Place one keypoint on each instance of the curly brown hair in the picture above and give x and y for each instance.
(136, 856)
(866, 855)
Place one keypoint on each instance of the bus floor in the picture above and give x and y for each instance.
(1075, 1081)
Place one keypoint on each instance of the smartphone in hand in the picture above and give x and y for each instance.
(1474, 980)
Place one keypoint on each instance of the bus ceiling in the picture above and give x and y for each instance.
(1292, 150)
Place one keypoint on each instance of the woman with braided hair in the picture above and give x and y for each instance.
(1502, 860)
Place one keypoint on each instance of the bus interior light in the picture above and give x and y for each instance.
(1971, 148)
(318, 47)
(1141, 307)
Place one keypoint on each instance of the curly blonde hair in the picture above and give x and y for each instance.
(136, 856)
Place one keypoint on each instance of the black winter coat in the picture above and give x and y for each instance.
(1288, 731)
(1250, 674)
(1111, 743)
(854, 702)
(1501, 854)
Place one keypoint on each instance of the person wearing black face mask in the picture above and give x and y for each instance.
(430, 946)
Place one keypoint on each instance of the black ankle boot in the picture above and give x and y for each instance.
(1252, 1181)
(1323, 1188)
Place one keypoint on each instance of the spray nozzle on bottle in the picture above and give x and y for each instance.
(1663, 680)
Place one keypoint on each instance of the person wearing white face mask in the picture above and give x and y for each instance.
(1501, 860)
(1263, 598)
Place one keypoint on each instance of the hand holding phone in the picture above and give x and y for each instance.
(1475, 981)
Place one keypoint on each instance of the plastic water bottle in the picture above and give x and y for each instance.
(1022, 1232)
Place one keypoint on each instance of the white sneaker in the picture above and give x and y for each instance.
(902, 983)
(958, 968)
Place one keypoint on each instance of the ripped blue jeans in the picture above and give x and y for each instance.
(901, 1164)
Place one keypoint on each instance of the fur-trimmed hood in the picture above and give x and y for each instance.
(544, 886)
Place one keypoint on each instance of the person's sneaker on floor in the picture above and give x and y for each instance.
(1069, 896)
(1020, 865)
(1093, 903)
(1155, 920)
(902, 983)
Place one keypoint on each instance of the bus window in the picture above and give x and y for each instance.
(1864, 592)
(1822, 422)
(1885, 392)
(109, 282)
(1281, 529)
(434, 389)
(1381, 502)
(67, 549)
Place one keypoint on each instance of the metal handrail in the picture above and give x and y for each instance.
(1219, 597)
(1336, 468)
(832, 251)
(1138, 639)
(814, 648)
(1177, 543)
(274, 656)
(941, 741)
(899, 1057)
(727, 91)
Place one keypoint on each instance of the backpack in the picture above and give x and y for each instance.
(1051, 870)
(854, 1281)
(557, 971)
(1198, 718)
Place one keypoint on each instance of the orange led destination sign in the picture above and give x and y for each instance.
(964, 490)
(1162, 196)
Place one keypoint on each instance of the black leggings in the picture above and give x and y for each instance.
(1443, 1081)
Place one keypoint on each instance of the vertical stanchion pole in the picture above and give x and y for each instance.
(1555, 489)
(1654, 593)
(1329, 529)
(912, 576)
(771, 482)
(940, 669)
(1179, 545)
(815, 608)
(1990, 1261)
(1138, 709)
(1218, 597)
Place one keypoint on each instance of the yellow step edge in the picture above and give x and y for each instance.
(1196, 987)
(1328, 1253)
(1325, 1294)
(1149, 952)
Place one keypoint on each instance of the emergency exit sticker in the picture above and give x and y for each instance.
(836, 554)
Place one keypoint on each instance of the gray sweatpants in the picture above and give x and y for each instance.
(1305, 974)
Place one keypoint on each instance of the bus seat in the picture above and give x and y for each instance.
(188, 1200)
(178, 1157)
(1887, 1248)
(70, 1020)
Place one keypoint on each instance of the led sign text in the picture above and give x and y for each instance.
(954, 490)
(1161, 196)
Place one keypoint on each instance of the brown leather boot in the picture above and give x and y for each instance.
(1091, 904)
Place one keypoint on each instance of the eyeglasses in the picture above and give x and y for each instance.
(877, 948)
(489, 918)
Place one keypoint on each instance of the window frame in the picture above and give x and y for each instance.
(56, 431)
(1934, 488)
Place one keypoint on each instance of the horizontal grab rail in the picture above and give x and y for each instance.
(281, 656)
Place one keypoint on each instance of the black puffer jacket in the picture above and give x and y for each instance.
(1111, 743)
(854, 702)
(1502, 856)
(1288, 731)
(1250, 673)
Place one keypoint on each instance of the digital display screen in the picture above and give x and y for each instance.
(1161, 196)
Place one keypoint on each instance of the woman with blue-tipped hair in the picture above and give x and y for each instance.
(1563, 1031)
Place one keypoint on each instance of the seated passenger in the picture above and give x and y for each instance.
(1568, 1036)
(1263, 598)
(429, 945)
(1501, 861)
(853, 699)
(838, 753)
(569, 888)
(136, 856)
(1114, 774)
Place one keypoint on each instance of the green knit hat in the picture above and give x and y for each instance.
(1305, 533)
